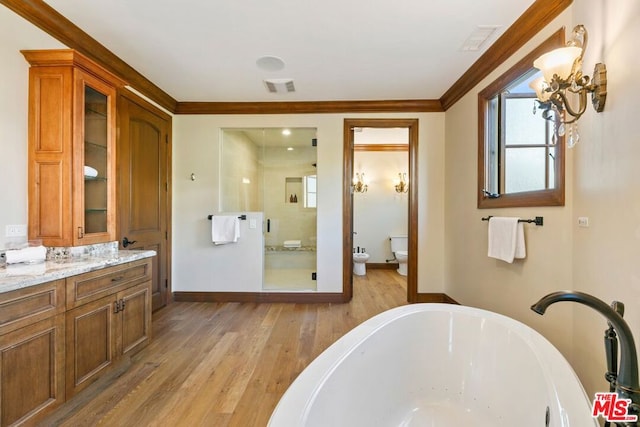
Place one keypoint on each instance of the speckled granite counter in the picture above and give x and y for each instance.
(17, 276)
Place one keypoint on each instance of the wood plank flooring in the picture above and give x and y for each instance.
(225, 364)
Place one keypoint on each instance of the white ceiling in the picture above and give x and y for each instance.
(206, 50)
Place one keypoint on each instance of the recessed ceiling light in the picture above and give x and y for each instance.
(286, 132)
(270, 63)
(289, 148)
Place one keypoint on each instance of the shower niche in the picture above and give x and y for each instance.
(292, 187)
(274, 171)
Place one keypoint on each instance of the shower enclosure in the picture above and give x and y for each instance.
(273, 170)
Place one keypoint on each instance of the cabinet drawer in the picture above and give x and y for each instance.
(29, 305)
(88, 287)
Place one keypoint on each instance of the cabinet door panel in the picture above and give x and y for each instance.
(31, 370)
(136, 317)
(91, 346)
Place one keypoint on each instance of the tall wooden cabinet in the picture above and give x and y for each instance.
(72, 140)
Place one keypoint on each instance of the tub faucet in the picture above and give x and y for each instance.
(626, 383)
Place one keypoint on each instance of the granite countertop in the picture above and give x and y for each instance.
(17, 276)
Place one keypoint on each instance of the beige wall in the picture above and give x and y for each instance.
(196, 148)
(603, 183)
(606, 256)
(15, 34)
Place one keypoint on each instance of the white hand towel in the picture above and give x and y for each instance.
(506, 239)
(225, 229)
(30, 255)
(292, 243)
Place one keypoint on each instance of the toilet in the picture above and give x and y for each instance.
(359, 266)
(400, 249)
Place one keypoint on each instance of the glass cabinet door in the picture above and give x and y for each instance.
(95, 161)
(95, 203)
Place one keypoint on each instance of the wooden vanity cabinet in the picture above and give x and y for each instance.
(109, 316)
(72, 135)
(59, 337)
(32, 352)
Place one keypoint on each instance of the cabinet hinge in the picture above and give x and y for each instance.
(314, 142)
(166, 283)
(166, 235)
(166, 139)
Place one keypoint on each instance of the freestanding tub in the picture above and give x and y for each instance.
(437, 365)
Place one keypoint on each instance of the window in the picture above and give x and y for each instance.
(521, 161)
(310, 191)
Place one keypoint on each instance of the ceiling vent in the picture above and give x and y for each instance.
(279, 85)
(477, 39)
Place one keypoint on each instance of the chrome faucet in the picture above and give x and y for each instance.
(625, 383)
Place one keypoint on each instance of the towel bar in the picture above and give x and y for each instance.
(537, 220)
(242, 217)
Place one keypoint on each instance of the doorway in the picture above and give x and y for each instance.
(350, 125)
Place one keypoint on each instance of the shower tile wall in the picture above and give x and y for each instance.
(241, 186)
(289, 220)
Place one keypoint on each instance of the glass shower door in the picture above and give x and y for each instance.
(290, 189)
(273, 170)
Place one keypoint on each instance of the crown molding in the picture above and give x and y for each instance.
(310, 107)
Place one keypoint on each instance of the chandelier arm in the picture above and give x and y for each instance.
(582, 106)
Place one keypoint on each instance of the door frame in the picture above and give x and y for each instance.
(347, 201)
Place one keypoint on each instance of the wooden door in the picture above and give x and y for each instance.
(144, 170)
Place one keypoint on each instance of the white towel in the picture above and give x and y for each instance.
(292, 243)
(29, 255)
(225, 229)
(506, 239)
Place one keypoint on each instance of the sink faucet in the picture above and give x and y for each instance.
(626, 384)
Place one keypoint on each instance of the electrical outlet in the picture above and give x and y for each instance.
(16, 230)
(583, 221)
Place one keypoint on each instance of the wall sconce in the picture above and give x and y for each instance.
(562, 77)
(358, 183)
(403, 185)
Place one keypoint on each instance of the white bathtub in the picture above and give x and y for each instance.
(437, 365)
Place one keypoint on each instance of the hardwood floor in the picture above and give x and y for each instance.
(225, 364)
